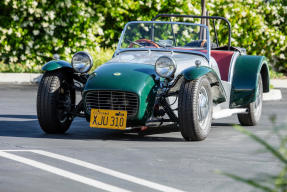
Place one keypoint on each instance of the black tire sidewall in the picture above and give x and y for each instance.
(47, 98)
(189, 124)
(250, 119)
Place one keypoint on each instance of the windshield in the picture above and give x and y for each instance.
(177, 36)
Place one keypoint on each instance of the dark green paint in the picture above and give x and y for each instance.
(195, 72)
(136, 78)
(245, 78)
(56, 64)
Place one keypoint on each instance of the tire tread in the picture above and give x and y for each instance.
(47, 101)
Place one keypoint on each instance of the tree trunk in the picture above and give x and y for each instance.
(203, 21)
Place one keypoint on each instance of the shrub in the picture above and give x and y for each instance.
(32, 31)
(100, 56)
(259, 26)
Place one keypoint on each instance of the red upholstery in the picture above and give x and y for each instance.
(223, 59)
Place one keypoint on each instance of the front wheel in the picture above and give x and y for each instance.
(254, 109)
(55, 99)
(195, 109)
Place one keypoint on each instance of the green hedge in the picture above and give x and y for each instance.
(32, 31)
(258, 26)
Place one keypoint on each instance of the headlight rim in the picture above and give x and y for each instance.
(172, 60)
(90, 58)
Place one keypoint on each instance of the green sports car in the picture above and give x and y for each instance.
(162, 72)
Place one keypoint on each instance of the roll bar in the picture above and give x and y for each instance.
(203, 17)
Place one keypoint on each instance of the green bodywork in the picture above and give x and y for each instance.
(56, 64)
(245, 79)
(195, 72)
(134, 77)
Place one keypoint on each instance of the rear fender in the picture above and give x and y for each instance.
(245, 79)
(217, 89)
(57, 64)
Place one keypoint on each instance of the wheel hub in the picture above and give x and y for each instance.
(64, 106)
(203, 106)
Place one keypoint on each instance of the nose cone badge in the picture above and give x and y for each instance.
(117, 74)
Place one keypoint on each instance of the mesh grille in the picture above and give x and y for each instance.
(116, 100)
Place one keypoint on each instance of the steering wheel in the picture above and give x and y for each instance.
(144, 41)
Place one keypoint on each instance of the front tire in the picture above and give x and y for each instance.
(254, 108)
(55, 99)
(195, 109)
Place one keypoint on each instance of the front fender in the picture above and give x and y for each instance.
(245, 79)
(56, 64)
(195, 72)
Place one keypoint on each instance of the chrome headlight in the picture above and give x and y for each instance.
(82, 62)
(165, 66)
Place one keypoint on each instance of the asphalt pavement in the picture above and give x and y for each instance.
(88, 159)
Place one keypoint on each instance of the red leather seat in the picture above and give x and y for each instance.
(223, 59)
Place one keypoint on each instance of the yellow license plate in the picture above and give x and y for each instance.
(110, 119)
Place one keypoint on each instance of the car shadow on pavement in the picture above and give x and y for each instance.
(19, 116)
(27, 126)
(214, 125)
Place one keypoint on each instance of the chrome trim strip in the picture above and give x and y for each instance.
(231, 66)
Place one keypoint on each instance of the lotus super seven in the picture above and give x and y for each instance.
(162, 72)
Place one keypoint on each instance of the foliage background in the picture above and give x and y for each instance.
(31, 31)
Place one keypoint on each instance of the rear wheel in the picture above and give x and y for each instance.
(254, 108)
(55, 99)
(195, 109)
